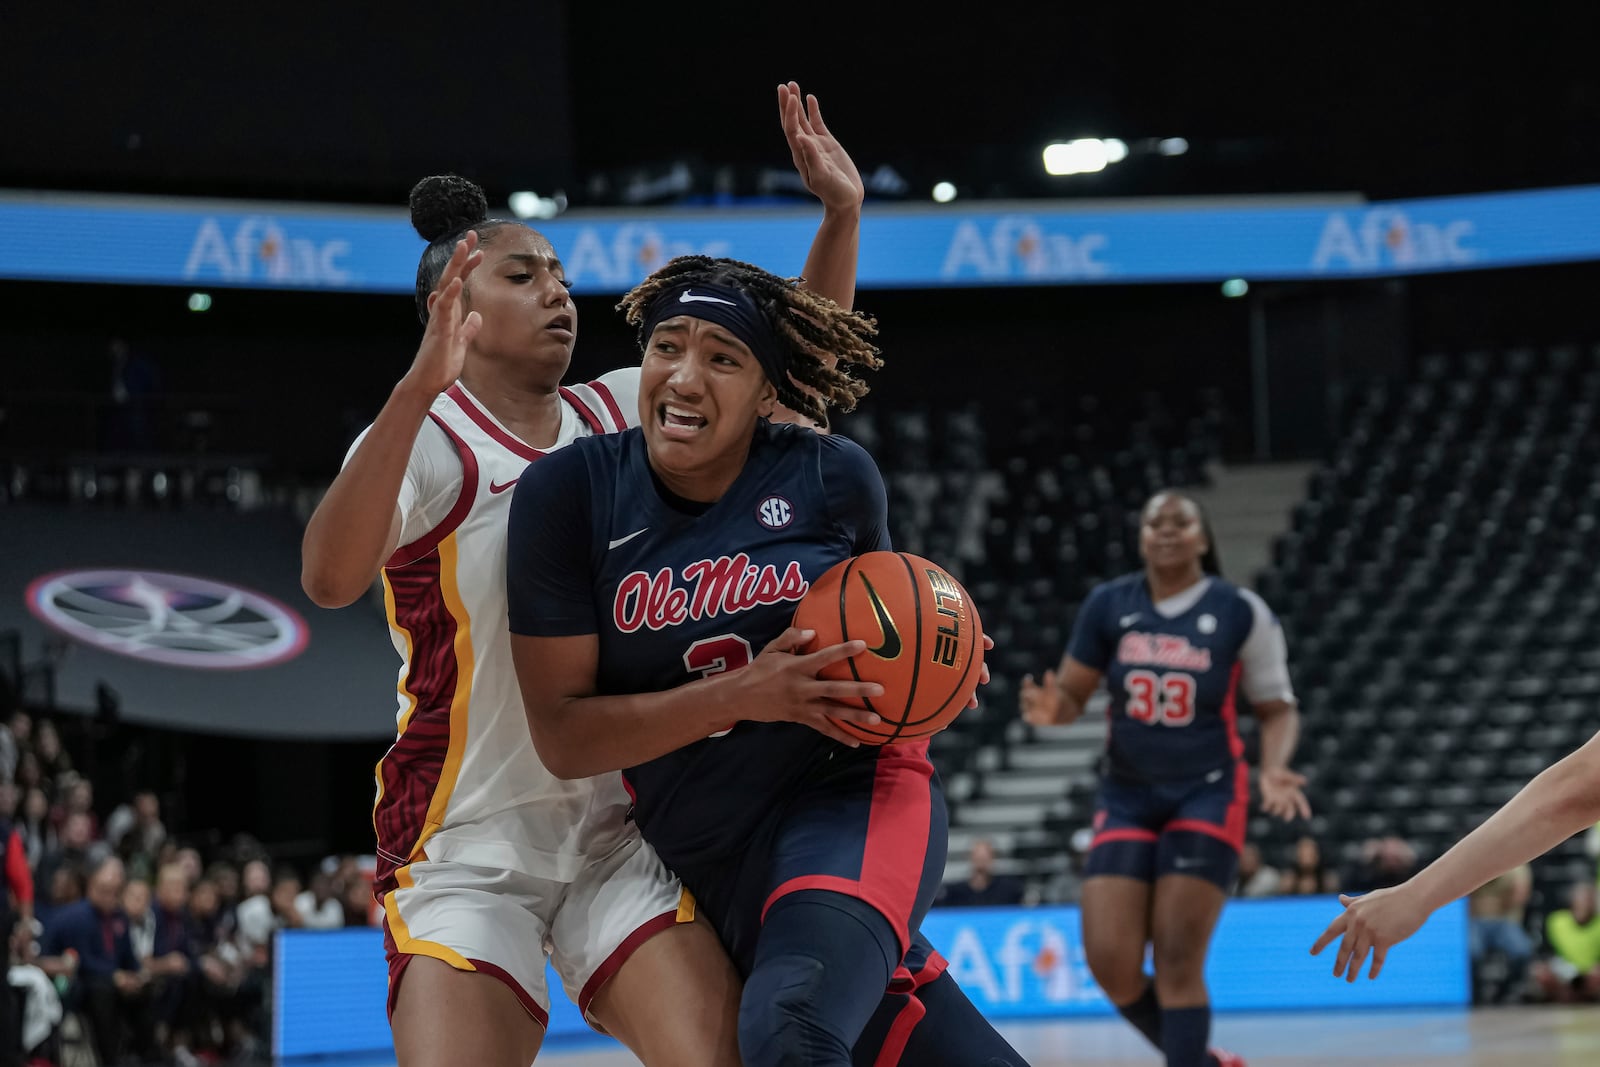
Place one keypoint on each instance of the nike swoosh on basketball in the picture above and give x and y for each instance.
(890, 649)
(688, 297)
(498, 487)
(624, 540)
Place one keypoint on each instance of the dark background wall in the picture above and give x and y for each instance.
(337, 103)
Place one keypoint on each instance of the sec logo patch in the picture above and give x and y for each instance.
(775, 513)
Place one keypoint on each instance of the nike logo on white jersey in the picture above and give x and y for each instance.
(1128, 620)
(619, 542)
(688, 297)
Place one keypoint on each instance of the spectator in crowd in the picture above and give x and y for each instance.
(255, 880)
(9, 751)
(38, 833)
(189, 859)
(135, 830)
(1498, 914)
(226, 879)
(88, 944)
(21, 730)
(29, 776)
(141, 918)
(53, 759)
(65, 887)
(171, 962)
(983, 887)
(319, 907)
(16, 919)
(205, 915)
(1384, 862)
(1309, 874)
(77, 798)
(77, 848)
(360, 909)
(268, 905)
(219, 968)
(1256, 879)
(1572, 971)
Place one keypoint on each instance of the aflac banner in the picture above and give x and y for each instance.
(178, 242)
(1014, 963)
(1029, 962)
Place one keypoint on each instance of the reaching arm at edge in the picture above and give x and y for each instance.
(1561, 801)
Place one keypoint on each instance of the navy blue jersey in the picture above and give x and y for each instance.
(677, 591)
(1172, 680)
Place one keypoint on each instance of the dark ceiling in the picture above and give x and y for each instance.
(333, 104)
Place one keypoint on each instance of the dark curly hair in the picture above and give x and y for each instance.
(809, 327)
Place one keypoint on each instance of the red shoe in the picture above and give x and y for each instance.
(1227, 1059)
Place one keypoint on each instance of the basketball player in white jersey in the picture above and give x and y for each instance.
(486, 862)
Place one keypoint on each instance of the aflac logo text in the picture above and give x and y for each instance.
(1033, 963)
(258, 249)
(1016, 246)
(622, 257)
(1386, 237)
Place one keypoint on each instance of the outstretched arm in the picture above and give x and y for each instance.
(831, 176)
(357, 525)
(1561, 801)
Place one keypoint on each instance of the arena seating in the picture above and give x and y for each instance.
(1029, 512)
(1437, 589)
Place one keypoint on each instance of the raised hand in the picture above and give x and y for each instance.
(1283, 794)
(1041, 702)
(781, 685)
(824, 165)
(1373, 923)
(444, 342)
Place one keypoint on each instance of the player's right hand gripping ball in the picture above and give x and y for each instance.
(924, 640)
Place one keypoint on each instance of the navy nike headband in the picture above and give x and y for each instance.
(731, 308)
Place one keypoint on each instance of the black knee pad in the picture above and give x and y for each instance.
(779, 1024)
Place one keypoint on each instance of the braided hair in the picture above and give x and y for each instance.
(810, 328)
(443, 208)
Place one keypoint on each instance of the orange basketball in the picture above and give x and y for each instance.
(924, 640)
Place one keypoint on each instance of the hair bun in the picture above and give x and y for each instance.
(446, 204)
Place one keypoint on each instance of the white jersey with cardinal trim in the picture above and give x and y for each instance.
(462, 777)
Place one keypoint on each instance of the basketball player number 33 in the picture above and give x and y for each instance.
(1161, 699)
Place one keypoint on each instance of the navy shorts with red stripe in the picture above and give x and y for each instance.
(1193, 826)
(874, 829)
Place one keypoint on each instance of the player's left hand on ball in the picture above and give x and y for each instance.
(1373, 923)
(1283, 794)
(983, 675)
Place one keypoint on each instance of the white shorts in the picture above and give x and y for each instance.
(503, 923)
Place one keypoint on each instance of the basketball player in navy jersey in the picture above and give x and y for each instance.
(1173, 643)
(652, 579)
(488, 864)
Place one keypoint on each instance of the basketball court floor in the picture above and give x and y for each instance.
(1501, 1037)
